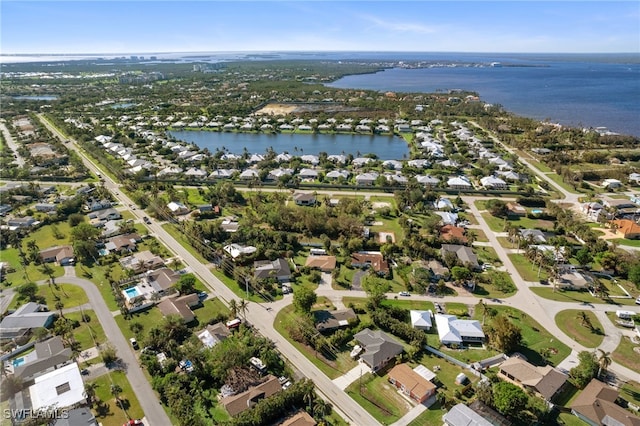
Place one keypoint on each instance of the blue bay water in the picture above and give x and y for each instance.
(574, 90)
(385, 147)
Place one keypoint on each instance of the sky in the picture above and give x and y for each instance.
(228, 26)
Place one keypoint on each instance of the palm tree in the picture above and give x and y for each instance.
(233, 308)
(242, 307)
(585, 321)
(90, 393)
(604, 361)
(59, 306)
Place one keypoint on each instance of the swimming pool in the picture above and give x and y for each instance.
(132, 292)
(18, 362)
(537, 211)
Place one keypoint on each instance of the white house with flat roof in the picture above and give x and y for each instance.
(60, 388)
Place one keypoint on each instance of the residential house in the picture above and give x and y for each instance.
(634, 178)
(213, 334)
(448, 218)
(77, 417)
(162, 279)
(592, 210)
(308, 174)
(411, 383)
(278, 268)
(95, 205)
(62, 255)
(46, 356)
(492, 182)
(438, 270)
(122, 243)
(332, 320)
(27, 317)
(4, 209)
(180, 305)
(419, 163)
(304, 199)
(229, 225)
(361, 161)
(379, 348)
(464, 254)
(626, 228)
(453, 331)
(177, 208)
(366, 179)
(461, 415)
(110, 228)
(611, 183)
(337, 174)
(249, 174)
(222, 173)
(453, 233)
(236, 250)
(541, 151)
(46, 207)
(236, 404)
(427, 180)
(571, 278)
(301, 418)
(515, 209)
(443, 203)
(421, 319)
(459, 182)
(392, 164)
(533, 235)
(322, 262)
(596, 405)
(105, 215)
(143, 261)
(276, 174)
(59, 388)
(22, 222)
(310, 159)
(370, 259)
(547, 382)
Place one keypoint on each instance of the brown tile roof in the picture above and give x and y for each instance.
(324, 263)
(180, 306)
(597, 401)
(236, 404)
(450, 232)
(376, 261)
(60, 252)
(412, 381)
(545, 380)
(627, 227)
(300, 419)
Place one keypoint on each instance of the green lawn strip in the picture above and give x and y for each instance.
(527, 270)
(98, 276)
(558, 179)
(184, 241)
(625, 355)
(577, 296)
(630, 392)
(148, 318)
(447, 372)
(504, 242)
(116, 416)
(31, 273)
(569, 322)
(237, 289)
(344, 279)
(497, 224)
(626, 242)
(194, 197)
(88, 333)
(534, 338)
(568, 419)
(340, 366)
(378, 397)
(388, 225)
(457, 309)
(210, 310)
(480, 235)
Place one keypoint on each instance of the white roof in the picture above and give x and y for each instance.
(451, 329)
(421, 318)
(236, 250)
(425, 372)
(50, 389)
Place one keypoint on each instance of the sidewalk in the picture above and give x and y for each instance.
(351, 376)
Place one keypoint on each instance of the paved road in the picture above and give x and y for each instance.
(12, 144)
(257, 315)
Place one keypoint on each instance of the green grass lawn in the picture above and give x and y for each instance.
(419, 305)
(44, 237)
(568, 322)
(116, 416)
(376, 395)
(480, 235)
(487, 255)
(625, 355)
(70, 295)
(630, 392)
(98, 275)
(389, 225)
(457, 309)
(534, 338)
(626, 242)
(431, 416)
(31, 273)
(332, 368)
(89, 333)
(236, 288)
(210, 309)
(577, 296)
(497, 224)
(344, 279)
(147, 318)
(527, 270)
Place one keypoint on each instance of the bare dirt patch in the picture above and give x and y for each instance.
(382, 237)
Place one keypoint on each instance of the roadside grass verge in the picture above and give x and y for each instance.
(113, 414)
(527, 270)
(625, 354)
(379, 398)
(577, 296)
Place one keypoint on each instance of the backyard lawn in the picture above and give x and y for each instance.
(376, 395)
(589, 335)
(89, 333)
(32, 273)
(625, 354)
(98, 275)
(527, 270)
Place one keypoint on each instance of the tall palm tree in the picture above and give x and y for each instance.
(233, 308)
(242, 307)
(604, 361)
(90, 393)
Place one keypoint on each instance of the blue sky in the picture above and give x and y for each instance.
(425, 26)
